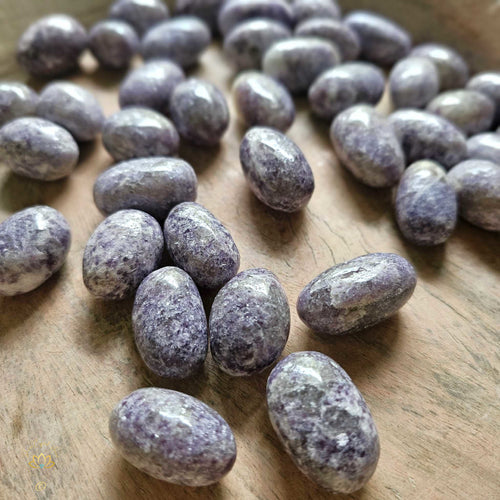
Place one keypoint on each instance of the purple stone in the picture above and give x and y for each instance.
(484, 147)
(16, 101)
(488, 83)
(208, 10)
(317, 9)
(141, 14)
(322, 421)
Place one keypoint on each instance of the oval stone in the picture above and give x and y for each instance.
(141, 14)
(488, 83)
(485, 147)
(315, 9)
(207, 10)
(16, 100)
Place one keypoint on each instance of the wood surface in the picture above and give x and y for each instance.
(429, 374)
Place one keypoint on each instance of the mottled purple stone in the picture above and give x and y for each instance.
(276, 169)
(181, 39)
(151, 85)
(173, 437)
(153, 185)
(297, 62)
(357, 294)
(34, 243)
(322, 421)
(199, 111)
(318, 9)
(140, 14)
(367, 146)
(16, 101)
(246, 44)
(249, 323)
(138, 133)
(37, 148)
(425, 136)
(383, 42)
(169, 323)
(477, 183)
(113, 43)
(488, 83)
(426, 204)
(122, 251)
(484, 147)
(348, 84)
(51, 46)
(198, 243)
(208, 10)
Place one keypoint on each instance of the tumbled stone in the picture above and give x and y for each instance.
(315, 9)
(208, 10)
(141, 14)
(488, 83)
(16, 101)
(484, 147)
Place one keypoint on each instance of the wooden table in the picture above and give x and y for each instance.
(428, 374)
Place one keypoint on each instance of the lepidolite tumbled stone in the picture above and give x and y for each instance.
(207, 10)
(34, 244)
(141, 14)
(357, 294)
(122, 251)
(201, 245)
(173, 437)
(484, 147)
(488, 83)
(249, 323)
(16, 100)
(170, 325)
(323, 421)
(315, 9)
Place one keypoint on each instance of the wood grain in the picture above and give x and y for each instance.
(429, 374)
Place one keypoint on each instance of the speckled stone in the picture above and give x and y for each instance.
(198, 243)
(488, 83)
(122, 251)
(477, 183)
(199, 111)
(113, 43)
(276, 169)
(426, 204)
(413, 82)
(367, 146)
(73, 107)
(169, 323)
(16, 101)
(318, 9)
(140, 14)
(51, 46)
(452, 68)
(37, 148)
(153, 185)
(34, 244)
(249, 323)
(323, 421)
(208, 10)
(297, 62)
(425, 136)
(173, 437)
(383, 42)
(181, 39)
(151, 85)
(334, 30)
(344, 86)
(357, 294)
(247, 43)
(139, 132)
(484, 147)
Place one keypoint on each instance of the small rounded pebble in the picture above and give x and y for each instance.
(37, 148)
(72, 107)
(426, 204)
(477, 183)
(357, 294)
(208, 10)
(470, 111)
(317, 9)
(344, 86)
(16, 101)
(383, 42)
(246, 44)
(122, 251)
(425, 136)
(138, 133)
(452, 68)
(413, 82)
(297, 62)
(249, 323)
(170, 325)
(153, 185)
(199, 111)
(322, 421)
(173, 437)
(484, 147)
(140, 14)
(113, 43)
(181, 39)
(261, 100)
(488, 83)
(344, 38)
(34, 243)
(151, 85)
(198, 243)
(276, 169)
(367, 146)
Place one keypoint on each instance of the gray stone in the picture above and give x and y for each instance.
(141, 14)
(488, 83)
(318, 9)
(208, 10)
(484, 147)
(16, 101)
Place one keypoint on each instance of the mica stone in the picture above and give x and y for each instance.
(141, 14)
(484, 147)
(315, 9)
(16, 101)
(208, 10)
(488, 83)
